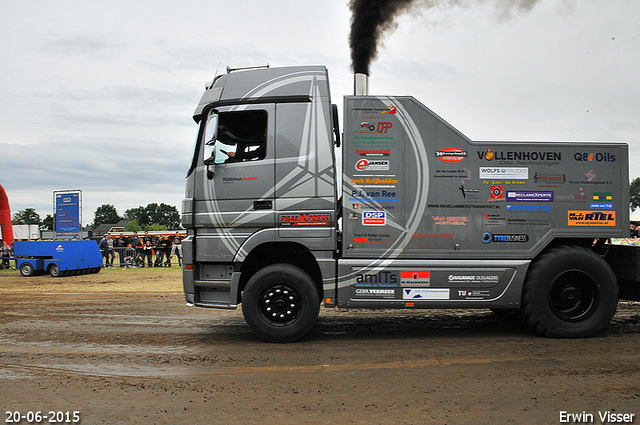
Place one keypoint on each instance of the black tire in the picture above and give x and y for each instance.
(569, 292)
(54, 270)
(280, 303)
(26, 269)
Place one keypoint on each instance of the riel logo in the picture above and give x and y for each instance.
(305, 220)
(451, 154)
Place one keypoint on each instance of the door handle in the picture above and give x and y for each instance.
(262, 205)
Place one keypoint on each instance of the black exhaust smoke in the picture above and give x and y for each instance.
(370, 19)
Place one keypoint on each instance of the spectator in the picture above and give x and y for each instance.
(104, 248)
(147, 237)
(137, 245)
(148, 253)
(166, 247)
(177, 247)
(159, 248)
(121, 246)
(111, 252)
(6, 253)
(134, 240)
(633, 230)
(129, 256)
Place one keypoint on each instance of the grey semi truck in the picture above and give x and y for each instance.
(419, 216)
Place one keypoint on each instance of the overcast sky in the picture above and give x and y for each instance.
(99, 96)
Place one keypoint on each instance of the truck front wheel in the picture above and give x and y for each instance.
(280, 303)
(569, 292)
(26, 269)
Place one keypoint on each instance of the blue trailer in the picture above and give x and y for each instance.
(58, 258)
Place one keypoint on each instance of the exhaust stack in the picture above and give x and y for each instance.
(360, 84)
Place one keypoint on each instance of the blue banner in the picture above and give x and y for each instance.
(68, 214)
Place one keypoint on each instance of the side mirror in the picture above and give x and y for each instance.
(336, 125)
(211, 160)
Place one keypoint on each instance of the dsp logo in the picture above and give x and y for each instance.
(451, 154)
(305, 220)
(374, 218)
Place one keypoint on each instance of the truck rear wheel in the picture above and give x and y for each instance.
(280, 303)
(569, 292)
(54, 270)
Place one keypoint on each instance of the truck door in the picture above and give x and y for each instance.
(235, 179)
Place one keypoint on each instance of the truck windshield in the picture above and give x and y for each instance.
(236, 136)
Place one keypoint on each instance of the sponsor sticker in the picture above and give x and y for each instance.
(597, 157)
(425, 294)
(529, 208)
(602, 196)
(237, 179)
(305, 220)
(591, 218)
(494, 219)
(390, 110)
(415, 277)
(517, 173)
(451, 221)
(375, 181)
(601, 206)
(496, 194)
(374, 218)
(380, 237)
(549, 178)
(367, 127)
(490, 155)
(529, 196)
(473, 294)
(372, 164)
(373, 152)
(474, 278)
(374, 292)
(470, 194)
(451, 154)
(489, 237)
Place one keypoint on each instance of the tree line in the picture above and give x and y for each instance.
(152, 217)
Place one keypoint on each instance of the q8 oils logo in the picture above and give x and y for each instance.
(597, 157)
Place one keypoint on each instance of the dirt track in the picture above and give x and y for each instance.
(73, 344)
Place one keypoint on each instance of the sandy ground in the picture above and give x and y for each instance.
(121, 347)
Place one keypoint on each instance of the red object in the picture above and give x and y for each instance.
(5, 217)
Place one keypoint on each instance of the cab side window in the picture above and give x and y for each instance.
(242, 136)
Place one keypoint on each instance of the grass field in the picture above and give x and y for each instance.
(168, 279)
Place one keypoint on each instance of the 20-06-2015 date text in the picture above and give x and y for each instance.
(42, 417)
